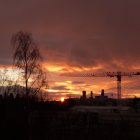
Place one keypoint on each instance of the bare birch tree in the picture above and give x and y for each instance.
(27, 57)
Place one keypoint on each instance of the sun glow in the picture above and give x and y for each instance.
(62, 99)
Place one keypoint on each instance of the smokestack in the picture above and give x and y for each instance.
(91, 94)
(84, 94)
(102, 92)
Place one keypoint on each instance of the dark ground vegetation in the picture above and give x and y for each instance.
(56, 121)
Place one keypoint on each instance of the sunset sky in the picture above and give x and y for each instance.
(77, 36)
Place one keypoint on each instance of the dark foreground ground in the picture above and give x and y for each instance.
(68, 125)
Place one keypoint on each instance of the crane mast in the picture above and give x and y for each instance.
(118, 75)
(119, 78)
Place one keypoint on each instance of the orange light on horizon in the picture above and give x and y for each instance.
(62, 99)
(63, 67)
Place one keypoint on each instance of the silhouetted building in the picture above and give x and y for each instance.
(102, 92)
(83, 95)
(101, 99)
(91, 95)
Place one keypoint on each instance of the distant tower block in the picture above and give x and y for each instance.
(102, 92)
(91, 94)
(84, 94)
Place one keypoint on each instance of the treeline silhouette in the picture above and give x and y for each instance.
(16, 112)
(53, 120)
(21, 103)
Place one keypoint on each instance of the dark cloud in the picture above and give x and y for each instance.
(77, 32)
(60, 88)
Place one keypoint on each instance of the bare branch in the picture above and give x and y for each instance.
(27, 57)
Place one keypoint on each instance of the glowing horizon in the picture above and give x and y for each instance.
(73, 87)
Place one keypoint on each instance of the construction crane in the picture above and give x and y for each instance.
(118, 75)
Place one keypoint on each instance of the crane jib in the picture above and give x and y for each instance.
(118, 75)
